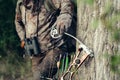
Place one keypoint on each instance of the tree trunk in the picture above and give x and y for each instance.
(96, 27)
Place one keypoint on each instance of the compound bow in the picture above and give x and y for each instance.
(77, 62)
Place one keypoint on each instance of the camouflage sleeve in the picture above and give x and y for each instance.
(66, 11)
(64, 20)
(18, 22)
(66, 7)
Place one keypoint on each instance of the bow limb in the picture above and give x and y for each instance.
(77, 62)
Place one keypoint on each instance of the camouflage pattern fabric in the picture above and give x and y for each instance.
(29, 25)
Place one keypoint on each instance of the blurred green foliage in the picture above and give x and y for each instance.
(89, 2)
(115, 63)
(11, 62)
(8, 39)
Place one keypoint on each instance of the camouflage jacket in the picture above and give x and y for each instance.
(27, 23)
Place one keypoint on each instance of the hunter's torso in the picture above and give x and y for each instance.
(33, 21)
(38, 25)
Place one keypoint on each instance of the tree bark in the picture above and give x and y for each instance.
(95, 30)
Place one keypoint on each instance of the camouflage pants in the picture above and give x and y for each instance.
(46, 66)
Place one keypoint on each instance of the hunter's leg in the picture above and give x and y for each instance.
(48, 66)
(35, 62)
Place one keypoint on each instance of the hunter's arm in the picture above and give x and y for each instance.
(66, 7)
(18, 22)
(66, 11)
(65, 18)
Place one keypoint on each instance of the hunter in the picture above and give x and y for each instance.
(35, 18)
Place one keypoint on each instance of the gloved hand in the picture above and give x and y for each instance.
(63, 23)
(22, 44)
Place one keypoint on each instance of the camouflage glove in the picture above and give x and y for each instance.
(63, 23)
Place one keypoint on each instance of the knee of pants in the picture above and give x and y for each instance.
(36, 75)
(48, 66)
